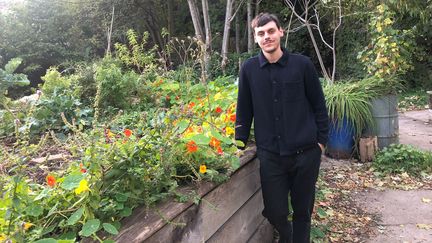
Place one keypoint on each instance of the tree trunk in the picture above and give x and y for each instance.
(249, 27)
(196, 19)
(207, 44)
(170, 20)
(257, 9)
(237, 35)
(227, 26)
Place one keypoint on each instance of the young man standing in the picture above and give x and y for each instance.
(281, 92)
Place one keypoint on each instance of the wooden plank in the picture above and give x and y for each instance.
(263, 234)
(243, 224)
(50, 158)
(143, 225)
(225, 201)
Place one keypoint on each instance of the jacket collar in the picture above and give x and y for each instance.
(283, 61)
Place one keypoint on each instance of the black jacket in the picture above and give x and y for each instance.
(286, 101)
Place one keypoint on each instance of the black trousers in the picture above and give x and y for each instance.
(293, 175)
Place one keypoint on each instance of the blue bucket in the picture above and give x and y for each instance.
(341, 139)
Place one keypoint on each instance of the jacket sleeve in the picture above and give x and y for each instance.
(315, 95)
(244, 112)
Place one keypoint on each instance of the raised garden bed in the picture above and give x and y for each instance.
(229, 212)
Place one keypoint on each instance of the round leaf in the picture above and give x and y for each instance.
(75, 216)
(110, 228)
(90, 227)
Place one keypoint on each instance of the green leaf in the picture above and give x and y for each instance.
(110, 228)
(34, 210)
(181, 126)
(317, 232)
(201, 139)
(235, 162)
(75, 216)
(90, 227)
(126, 212)
(46, 240)
(121, 197)
(72, 181)
(239, 143)
(43, 194)
(48, 229)
(52, 210)
(321, 213)
(170, 86)
(220, 137)
(66, 241)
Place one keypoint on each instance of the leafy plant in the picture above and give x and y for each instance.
(134, 54)
(399, 158)
(351, 101)
(390, 52)
(8, 78)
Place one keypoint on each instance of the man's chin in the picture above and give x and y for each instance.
(269, 50)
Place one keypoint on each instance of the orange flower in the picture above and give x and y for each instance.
(214, 142)
(167, 98)
(191, 147)
(51, 181)
(127, 132)
(191, 105)
(218, 109)
(232, 117)
(189, 130)
(202, 169)
(219, 150)
(83, 171)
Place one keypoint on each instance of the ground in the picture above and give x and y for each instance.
(363, 207)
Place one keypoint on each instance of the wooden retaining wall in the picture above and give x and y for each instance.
(230, 212)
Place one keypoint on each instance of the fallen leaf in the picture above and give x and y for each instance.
(426, 200)
(424, 226)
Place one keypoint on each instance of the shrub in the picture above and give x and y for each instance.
(399, 158)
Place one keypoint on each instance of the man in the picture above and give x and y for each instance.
(282, 93)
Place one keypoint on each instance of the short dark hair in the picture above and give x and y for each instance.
(264, 18)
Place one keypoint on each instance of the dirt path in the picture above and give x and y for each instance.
(399, 215)
(415, 128)
(404, 216)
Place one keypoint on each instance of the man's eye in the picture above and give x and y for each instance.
(271, 31)
(260, 33)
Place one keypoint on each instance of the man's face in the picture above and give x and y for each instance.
(268, 37)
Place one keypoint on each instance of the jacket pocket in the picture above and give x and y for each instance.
(293, 91)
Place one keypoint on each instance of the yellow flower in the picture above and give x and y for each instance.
(229, 131)
(388, 21)
(203, 169)
(218, 96)
(27, 225)
(3, 237)
(83, 186)
(379, 27)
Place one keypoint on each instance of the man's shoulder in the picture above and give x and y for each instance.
(299, 58)
(251, 61)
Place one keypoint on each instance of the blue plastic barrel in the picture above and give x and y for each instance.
(341, 139)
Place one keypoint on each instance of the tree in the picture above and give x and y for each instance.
(203, 43)
(305, 17)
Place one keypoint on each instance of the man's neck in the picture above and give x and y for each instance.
(274, 56)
